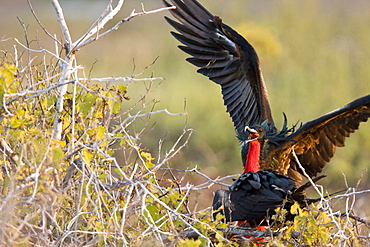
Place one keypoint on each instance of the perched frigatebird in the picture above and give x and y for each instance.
(252, 195)
(255, 195)
(230, 61)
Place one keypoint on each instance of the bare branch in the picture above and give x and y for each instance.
(25, 92)
(42, 26)
(350, 194)
(42, 51)
(10, 154)
(116, 27)
(124, 79)
(99, 24)
(63, 25)
(340, 232)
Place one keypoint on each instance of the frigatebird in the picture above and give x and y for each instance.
(230, 61)
(255, 195)
(252, 195)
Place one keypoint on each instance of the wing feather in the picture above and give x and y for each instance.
(315, 142)
(226, 58)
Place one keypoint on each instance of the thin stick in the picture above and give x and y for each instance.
(116, 27)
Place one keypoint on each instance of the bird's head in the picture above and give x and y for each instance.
(255, 133)
(266, 134)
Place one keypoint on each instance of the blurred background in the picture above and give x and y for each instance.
(315, 57)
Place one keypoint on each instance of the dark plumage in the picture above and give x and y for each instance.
(229, 60)
(252, 195)
(226, 58)
(256, 195)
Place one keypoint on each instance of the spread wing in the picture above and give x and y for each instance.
(253, 196)
(226, 58)
(316, 141)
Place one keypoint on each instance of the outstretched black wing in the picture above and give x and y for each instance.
(226, 58)
(253, 196)
(316, 141)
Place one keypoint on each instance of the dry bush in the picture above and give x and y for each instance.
(74, 172)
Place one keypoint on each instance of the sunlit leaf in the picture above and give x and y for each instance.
(16, 122)
(58, 154)
(100, 131)
(87, 156)
(190, 243)
(116, 107)
(122, 88)
(295, 209)
(87, 103)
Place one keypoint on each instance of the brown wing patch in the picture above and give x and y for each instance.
(316, 141)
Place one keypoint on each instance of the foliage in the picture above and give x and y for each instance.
(54, 193)
(324, 52)
(74, 190)
(316, 225)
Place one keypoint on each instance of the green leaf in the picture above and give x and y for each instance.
(8, 73)
(189, 243)
(16, 122)
(116, 107)
(87, 156)
(122, 88)
(57, 155)
(87, 103)
(100, 131)
(2, 91)
(118, 171)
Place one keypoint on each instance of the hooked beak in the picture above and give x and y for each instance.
(250, 130)
(253, 134)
